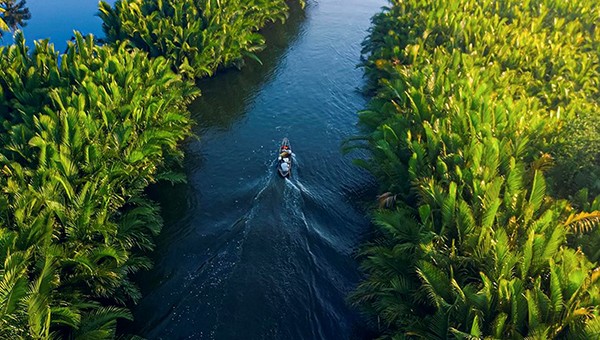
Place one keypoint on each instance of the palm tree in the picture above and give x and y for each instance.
(197, 36)
(14, 14)
(76, 162)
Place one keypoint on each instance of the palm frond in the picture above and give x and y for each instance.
(582, 222)
(436, 283)
(101, 322)
(538, 190)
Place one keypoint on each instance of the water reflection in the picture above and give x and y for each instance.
(228, 95)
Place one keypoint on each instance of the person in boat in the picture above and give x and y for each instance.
(285, 166)
(285, 152)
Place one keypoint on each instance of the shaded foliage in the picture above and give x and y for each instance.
(577, 155)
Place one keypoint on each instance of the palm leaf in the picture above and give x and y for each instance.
(556, 295)
(533, 310)
(101, 323)
(582, 222)
(557, 238)
(449, 204)
(538, 190)
(38, 302)
(527, 255)
(475, 328)
(13, 283)
(436, 283)
(514, 180)
(498, 325)
(592, 328)
(66, 316)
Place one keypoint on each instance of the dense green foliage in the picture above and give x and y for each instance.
(80, 139)
(577, 155)
(471, 103)
(198, 36)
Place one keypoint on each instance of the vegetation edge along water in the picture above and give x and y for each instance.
(483, 133)
(82, 134)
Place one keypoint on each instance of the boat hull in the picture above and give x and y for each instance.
(284, 155)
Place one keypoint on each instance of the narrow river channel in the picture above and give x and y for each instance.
(245, 254)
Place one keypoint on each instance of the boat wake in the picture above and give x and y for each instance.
(267, 259)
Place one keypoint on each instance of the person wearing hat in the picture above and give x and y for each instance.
(285, 153)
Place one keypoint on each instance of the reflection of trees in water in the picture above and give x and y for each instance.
(13, 14)
(225, 98)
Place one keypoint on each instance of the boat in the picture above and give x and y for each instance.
(284, 159)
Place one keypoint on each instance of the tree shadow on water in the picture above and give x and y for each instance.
(226, 95)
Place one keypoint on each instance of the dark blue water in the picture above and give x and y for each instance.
(245, 254)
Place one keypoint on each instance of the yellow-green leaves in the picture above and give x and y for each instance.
(469, 97)
(80, 140)
(196, 36)
(3, 25)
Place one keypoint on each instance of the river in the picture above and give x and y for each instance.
(245, 254)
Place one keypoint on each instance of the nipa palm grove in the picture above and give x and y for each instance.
(484, 135)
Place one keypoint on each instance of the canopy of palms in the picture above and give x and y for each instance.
(197, 36)
(470, 241)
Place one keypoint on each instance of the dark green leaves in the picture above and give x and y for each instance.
(95, 133)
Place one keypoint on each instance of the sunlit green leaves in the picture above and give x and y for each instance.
(469, 98)
(197, 36)
(94, 130)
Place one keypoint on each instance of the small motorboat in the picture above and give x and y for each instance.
(284, 159)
